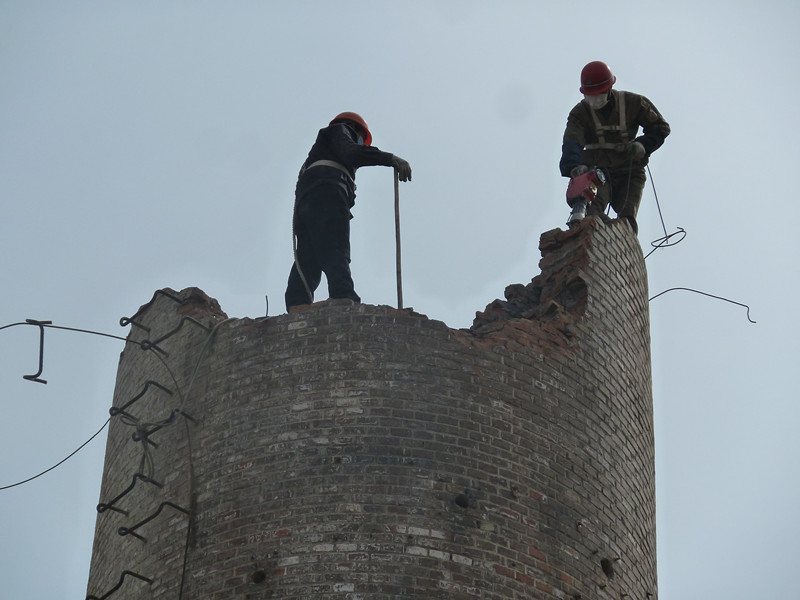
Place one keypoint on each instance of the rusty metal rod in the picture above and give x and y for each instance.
(397, 238)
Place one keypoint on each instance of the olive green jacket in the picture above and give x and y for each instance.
(601, 137)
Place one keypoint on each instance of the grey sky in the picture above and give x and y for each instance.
(156, 144)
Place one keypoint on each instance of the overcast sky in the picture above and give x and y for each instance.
(151, 144)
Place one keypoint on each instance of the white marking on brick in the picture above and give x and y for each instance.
(346, 547)
(501, 405)
(323, 548)
(464, 560)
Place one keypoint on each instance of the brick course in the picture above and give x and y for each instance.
(354, 452)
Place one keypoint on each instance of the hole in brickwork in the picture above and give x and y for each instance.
(608, 567)
(462, 500)
(259, 576)
(574, 294)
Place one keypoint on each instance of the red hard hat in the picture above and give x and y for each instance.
(596, 78)
(358, 120)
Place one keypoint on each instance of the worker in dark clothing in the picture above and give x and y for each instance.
(602, 132)
(324, 195)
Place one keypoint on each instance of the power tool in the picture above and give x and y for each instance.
(582, 189)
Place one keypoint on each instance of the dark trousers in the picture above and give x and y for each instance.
(322, 226)
(624, 191)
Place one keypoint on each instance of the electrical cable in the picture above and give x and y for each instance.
(58, 464)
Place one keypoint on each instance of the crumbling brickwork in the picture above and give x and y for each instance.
(354, 452)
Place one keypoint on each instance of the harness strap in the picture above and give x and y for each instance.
(330, 163)
(600, 129)
(619, 147)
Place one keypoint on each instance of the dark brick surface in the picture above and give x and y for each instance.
(360, 452)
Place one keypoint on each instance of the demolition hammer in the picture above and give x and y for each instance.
(582, 189)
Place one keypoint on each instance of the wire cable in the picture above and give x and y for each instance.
(705, 294)
(50, 326)
(61, 462)
(665, 241)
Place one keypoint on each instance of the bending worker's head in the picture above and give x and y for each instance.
(596, 81)
(357, 122)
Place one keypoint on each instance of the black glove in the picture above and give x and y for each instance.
(579, 170)
(402, 167)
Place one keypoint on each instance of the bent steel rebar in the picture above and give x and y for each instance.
(665, 242)
(150, 345)
(142, 434)
(41, 325)
(114, 411)
(102, 507)
(685, 289)
(119, 585)
(125, 321)
(123, 531)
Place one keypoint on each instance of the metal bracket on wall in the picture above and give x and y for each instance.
(113, 411)
(102, 507)
(119, 585)
(123, 531)
(125, 321)
(149, 345)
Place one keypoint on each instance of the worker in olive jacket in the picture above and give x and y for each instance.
(603, 131)
(324, 195)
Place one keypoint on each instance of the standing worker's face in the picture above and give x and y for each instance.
(362, 135)
(596, 101)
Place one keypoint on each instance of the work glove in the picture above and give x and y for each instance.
(579, 170)
(402, 167)
(636, 150)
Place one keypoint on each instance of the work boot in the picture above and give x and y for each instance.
(632, 222)
(354, 297)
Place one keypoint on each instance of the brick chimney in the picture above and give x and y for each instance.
(348, 451)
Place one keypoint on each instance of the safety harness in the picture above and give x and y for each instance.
(330, 163)
(622, 146)
(601, 129)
